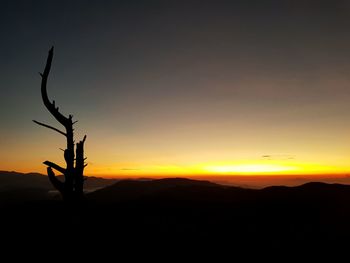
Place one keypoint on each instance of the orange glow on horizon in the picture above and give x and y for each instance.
(238, 168)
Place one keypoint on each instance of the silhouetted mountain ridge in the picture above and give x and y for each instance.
(10, 181)
(125, 189)
(14, 180)
(182, 189)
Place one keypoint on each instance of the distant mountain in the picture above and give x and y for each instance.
(202, 191)
(131, 189)
(14, 180)
(10, 181)
(114, 190)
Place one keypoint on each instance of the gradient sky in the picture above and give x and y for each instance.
(180, 87)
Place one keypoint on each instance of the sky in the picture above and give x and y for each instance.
(179, 87)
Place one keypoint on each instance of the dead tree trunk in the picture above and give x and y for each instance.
(72, 187)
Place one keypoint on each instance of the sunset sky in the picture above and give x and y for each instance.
(180, 87)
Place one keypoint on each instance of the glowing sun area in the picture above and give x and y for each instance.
(250, 168)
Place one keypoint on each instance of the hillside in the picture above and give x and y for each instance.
(309, 216)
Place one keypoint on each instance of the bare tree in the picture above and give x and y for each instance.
(71, 188)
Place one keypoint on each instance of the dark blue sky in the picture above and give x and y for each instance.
(163, 81)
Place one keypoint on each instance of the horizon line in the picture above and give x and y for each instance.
(218, 175)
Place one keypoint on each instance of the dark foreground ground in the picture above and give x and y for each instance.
(182, 214)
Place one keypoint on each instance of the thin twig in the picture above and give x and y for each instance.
(50, 127)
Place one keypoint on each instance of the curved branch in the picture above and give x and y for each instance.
(50, 106)
(50, 127)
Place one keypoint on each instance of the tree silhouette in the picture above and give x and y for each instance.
(72, 187)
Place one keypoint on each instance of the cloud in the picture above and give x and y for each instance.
(278, 157)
